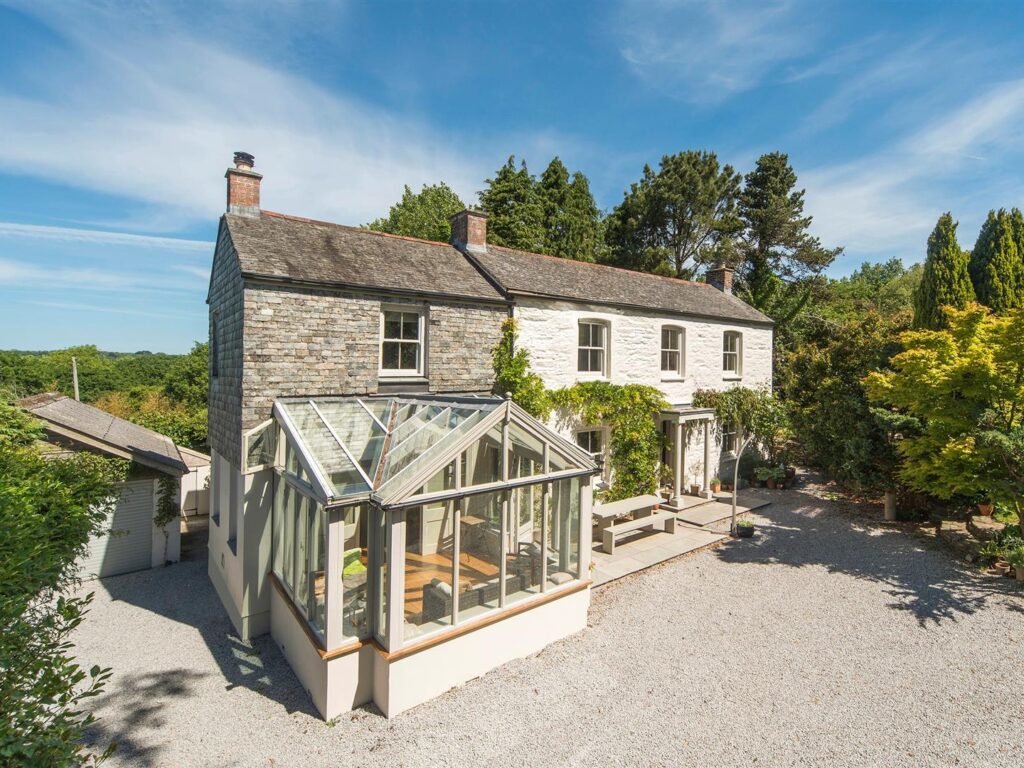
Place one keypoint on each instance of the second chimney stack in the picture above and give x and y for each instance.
(243, 186)
(720, 277)
(469, 230)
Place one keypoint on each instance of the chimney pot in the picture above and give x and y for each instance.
(469, 231)
(243, 186)
(720, 276)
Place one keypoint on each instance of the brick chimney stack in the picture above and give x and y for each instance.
(243, 186)
(720, 277)
(469, 231)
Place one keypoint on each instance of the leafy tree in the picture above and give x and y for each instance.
(187, 380)
(778, 253)
(996, 264)
(839, 431)
(49, 508)
(678, 220)
(572, 221)
(425, 214)
(945, 281)
(514, 207)
(151, 408)
(512, 374)
(965, 385)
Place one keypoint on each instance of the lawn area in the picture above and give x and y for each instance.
(823, 640)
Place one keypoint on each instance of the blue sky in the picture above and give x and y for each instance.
(117, 122)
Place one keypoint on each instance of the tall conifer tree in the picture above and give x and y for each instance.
(996, 267)
(572, 221)
(946, 281)
(515, 208)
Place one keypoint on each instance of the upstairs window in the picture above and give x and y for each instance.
(401, 345)
(592, 355)
(673, 353)
(732, 353)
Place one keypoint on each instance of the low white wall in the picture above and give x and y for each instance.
(300, 653)
(421, 676)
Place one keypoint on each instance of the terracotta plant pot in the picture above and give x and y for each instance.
(771, 482)
(1001, 566)
(985, 509)
(716, 487)
(694, 490)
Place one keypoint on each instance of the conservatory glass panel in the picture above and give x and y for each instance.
(429, 556)
(355, 563)
(481, 463)
(259, 446)
(380, 574)
(326, 452)
(317, 605)
(356, 429)
(525, 453)
(287, 515)
(564, 531)
(523, 551)
(480, 550)
(277, 543)
(301, 579)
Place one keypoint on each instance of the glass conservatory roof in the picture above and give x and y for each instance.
(358, 445)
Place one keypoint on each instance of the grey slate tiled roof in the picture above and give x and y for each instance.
(273, 245)
(147, 446)
(533, 274)
(291, 248)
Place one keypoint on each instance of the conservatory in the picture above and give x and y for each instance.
(420, 541)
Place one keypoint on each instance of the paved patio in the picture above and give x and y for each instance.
(699, 525)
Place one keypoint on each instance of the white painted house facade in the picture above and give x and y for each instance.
(396, 527)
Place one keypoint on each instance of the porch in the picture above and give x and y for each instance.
(700, 523)
(689, 454)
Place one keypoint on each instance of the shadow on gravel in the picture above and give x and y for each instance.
(131, 704)
(928, 584)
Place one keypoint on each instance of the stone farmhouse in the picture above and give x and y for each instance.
(394, 525)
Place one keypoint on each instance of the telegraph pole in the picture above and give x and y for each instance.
(74, 376)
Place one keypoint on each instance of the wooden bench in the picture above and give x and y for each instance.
(645, 522)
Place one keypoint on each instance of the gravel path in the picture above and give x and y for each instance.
(825, 640)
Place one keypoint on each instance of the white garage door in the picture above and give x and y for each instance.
(127, 540)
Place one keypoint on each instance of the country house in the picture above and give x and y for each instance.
(394, 525)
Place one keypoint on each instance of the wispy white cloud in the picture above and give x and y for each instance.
(100, 237)
(71, 306)
(709, 50)
(887, 202)
(160, 129)
(15, 273)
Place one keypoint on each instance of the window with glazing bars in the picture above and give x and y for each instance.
(401, 342)
(592, 347)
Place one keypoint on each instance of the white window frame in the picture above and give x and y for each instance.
(730, 438)
(679, 371)
(605, 349)
(421, 341)
(600, 456)
(737, 372)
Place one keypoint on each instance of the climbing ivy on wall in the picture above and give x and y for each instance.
(630, 410)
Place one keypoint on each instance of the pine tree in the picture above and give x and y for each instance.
(946, 281)
(425, 214)
(678, 220)
(515, 208)
(572, 221)
(996, 266)
(779, 255)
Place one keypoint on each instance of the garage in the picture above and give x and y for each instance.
(130, 540)
(126, 544)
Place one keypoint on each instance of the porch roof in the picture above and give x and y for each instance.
(688, 413)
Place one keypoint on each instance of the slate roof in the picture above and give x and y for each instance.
(148, 447)
(290, 248)
(533, 274)
(286, 247)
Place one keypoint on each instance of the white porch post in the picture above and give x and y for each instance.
(707, 459)
(679, 450)
(396, 578)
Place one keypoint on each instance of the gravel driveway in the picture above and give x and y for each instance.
(825, 640)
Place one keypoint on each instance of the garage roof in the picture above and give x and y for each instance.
(69, 419)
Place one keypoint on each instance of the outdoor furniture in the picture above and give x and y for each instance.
(646, 522)
(606, 514)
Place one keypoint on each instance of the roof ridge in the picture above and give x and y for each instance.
(350, 228)
(602, 266)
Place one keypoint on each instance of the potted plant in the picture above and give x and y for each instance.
(665, 478)
(716, 485)
(761, 474)
(744, 529)
(1015, 557)
(695, 489)
(985, 507)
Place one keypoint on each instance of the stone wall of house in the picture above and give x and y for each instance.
(550, 331)
(225, 398)
(306, 341)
